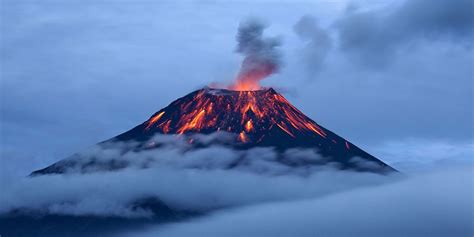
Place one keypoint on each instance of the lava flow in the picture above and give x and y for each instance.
(250, 114)
(242, 120)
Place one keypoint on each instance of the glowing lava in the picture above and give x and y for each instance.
(248, 114)
(249, 79)
(240, 120)
(154, 119)
(248, 126)
(242, 137)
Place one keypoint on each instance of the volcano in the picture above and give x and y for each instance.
(258, 118)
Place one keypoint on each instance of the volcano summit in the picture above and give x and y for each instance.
(247, 120)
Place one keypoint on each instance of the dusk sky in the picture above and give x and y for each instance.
(394, 77)
(375, 72)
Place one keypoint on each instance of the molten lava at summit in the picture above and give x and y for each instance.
(251, 114)
(258, 118)
(246, 119)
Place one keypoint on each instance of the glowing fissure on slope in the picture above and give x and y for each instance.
(245, 113)
(153, 120)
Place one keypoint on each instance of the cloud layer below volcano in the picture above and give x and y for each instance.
(200, 180)
(260, 198)
(432, 204)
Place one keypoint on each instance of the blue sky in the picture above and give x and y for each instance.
(394, 77)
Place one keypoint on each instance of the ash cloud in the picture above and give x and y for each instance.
(374, 37)
(261, 55)
(318, 42)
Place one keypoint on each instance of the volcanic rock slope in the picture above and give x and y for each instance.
(260, 118)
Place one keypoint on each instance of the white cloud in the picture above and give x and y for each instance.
(201, 180)
(415, 155)
(434, 204)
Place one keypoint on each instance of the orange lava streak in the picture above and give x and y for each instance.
(195, 122)
(242, 137)
(286, 130)
(209, 107)
(301, 124)
(166, 127)
(316, 129)
(242, 113)
(252, 108)
(153, 120)
(248, 126)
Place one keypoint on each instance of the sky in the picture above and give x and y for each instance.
(395, 78)
(377, 73)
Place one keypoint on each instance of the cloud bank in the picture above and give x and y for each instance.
(260, 197)
(108, 180)
(432, 204)
(113, 193)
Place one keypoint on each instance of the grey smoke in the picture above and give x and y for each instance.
(374, 37)
(318, 42)
(261, 55)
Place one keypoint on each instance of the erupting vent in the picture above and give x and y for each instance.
(254, 117)
(251, 114)
(246, 119)
(258, 118)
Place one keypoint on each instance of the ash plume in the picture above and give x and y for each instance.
(318, 42)
(261, 55)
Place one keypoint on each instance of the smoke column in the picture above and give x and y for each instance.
(261, 55)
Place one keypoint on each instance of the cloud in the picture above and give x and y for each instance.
(189, 189)
(432, 204)
(261, 194)
(420, 155)
(318, 42)
(108, 180)
(198, 151)
(373, 37)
